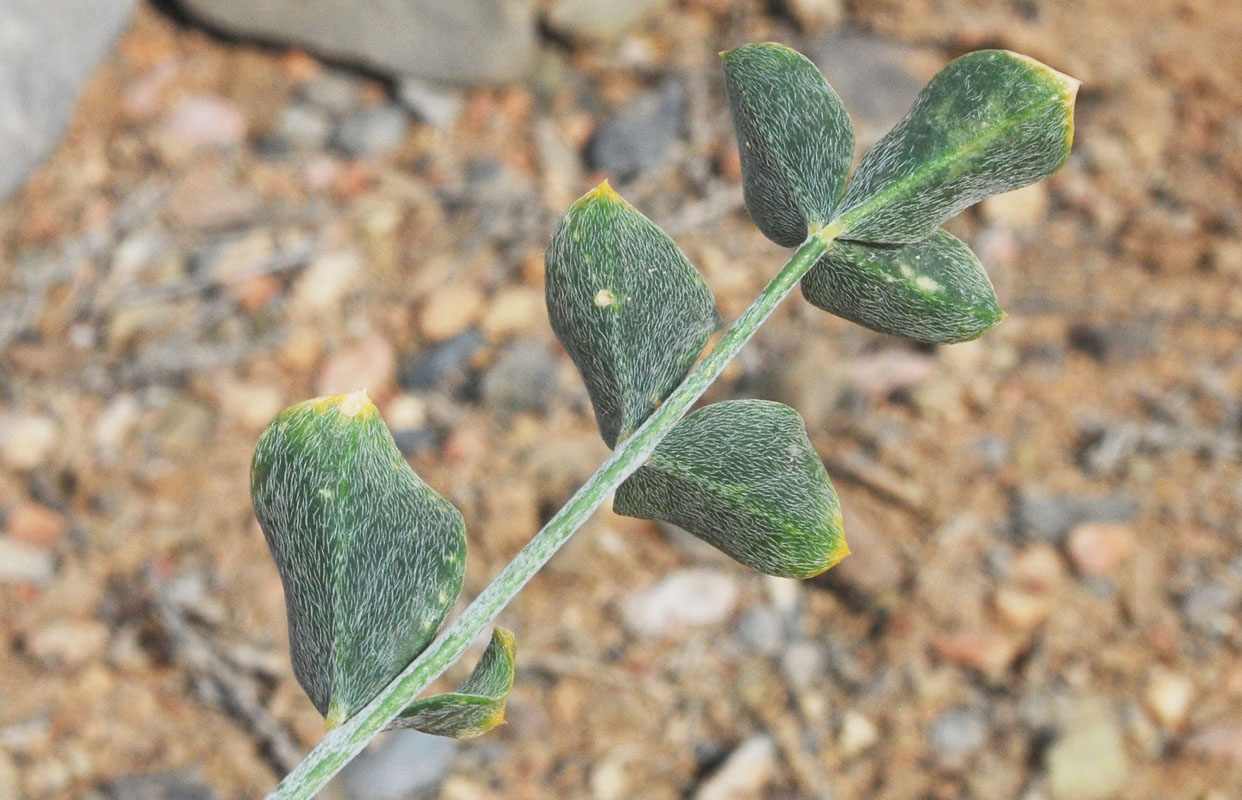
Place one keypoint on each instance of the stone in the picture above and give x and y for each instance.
(437, 106)
(745, 774)
(1210, 607)
(874, 570)
(204, 120)
(878, 375)
(804, 664)
(1222, 740)
(399, 765)
(813, 16)
(324, 284)
(858, 734)
(303, 126)
(449, 310)
(685, 598)
(873, 76)
(1050, 517)
(640, 136)
(250, 403)
(1099, 549)
(50, 48)
(26, 441)
(1168, 696)
(522, 378)
(480, 42)
(513, 310)
(68, 644)
(183, 785)
(763, 630)
(600, 20)
(21, 562)
(989, 653)
(445, 367)
(372, 132)
(36, 524)
(957, 733)
(368, 363)
(1088, 762)
(1116, 341)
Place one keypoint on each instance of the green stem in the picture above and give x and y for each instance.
(341, 744)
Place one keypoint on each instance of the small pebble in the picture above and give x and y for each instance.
(21, 562)
(857, 735)
(449, 310)
(1088, 762)
(445, 367)
(804, 664)
(36, 524)
(990, 653)
(816, 15)
(745, 774)
(957, 733)
(1020, 210)
(206, 120)
(324, 284)
(522, 378)
(1168, 697)
(68, 644)
(26, 441)
(372, 132)
(762, 629)
(303, 126)
(1099, 549)
(685, 598)
(512, 311)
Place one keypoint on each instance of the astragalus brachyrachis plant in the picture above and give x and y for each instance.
(372, 559)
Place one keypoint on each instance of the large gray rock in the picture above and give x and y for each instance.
(464, 42)
(47, 49)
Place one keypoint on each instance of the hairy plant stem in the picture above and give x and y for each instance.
(341, 744)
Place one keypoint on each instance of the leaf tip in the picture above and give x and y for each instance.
(603, 191)
(356, 404)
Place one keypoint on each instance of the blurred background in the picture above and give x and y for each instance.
(214, 208)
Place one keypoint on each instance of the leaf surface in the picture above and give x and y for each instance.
(794, 138)
(477, 706)
(742, 476)
(934, 290)
(989, 122)
(371, 558)
(627, 305)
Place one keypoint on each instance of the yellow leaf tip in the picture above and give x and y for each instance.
(602, 192)
(356, 404)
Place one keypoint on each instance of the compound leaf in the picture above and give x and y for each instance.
(477, 706)
(934, 290)
(742, 476)
(370, 557)
(794, 137)
(989, 122)
(627, 305)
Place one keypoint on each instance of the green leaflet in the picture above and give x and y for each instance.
(989, 122)
(477, 706)
(934, 290)
(742, 476)
(370, 557)
(628, 307)
(794, 137)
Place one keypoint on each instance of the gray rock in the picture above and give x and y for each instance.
(1051, 516)
(304, 126)
(600, 20)
(464, 42)
(400, 765)
(804, 664)
(1210, 607)
(336, 91)
(372, 131)
(957, 733)
(445, 367)
(871, 75)
(762, 630)
(641, 135)
(437, 106)
(522, 378)
(157, 786)
(47, 49)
